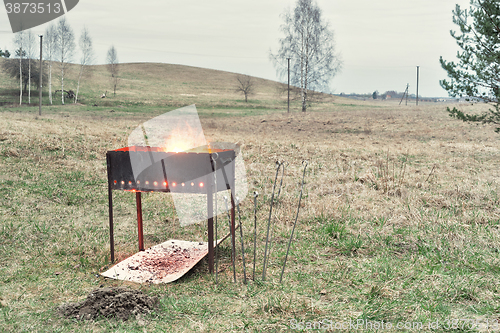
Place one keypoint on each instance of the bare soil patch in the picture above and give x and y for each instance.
(111, 302)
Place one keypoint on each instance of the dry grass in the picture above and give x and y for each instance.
(153, 84)
(399, 220)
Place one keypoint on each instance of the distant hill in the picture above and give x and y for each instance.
(160, 84)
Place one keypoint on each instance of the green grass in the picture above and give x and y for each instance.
(372, 243)
(380, 277)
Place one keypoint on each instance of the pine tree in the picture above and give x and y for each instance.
(476, 74)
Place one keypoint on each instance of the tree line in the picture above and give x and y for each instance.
(4, 54)
(59, 49)
(306, 53)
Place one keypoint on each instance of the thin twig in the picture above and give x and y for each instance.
(255, 195)
(296, 218)
(274, 217)
(241, 238)
(429, 176)
(233, 252)
(278, 164)
(216, 240)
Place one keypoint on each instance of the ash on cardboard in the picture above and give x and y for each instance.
(162, 263)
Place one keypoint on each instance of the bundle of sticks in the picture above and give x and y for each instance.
(279, 166)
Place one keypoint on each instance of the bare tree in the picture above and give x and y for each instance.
(112, 61)
(65, 48)
(30, 53)
(50, 44)
(19, 41)
(310, 44)
(87, 58)
(245, 84)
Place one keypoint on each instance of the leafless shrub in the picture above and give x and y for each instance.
(246, 85)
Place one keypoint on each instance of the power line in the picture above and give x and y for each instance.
(379, 67)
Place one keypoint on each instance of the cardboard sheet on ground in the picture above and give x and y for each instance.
(162, 263)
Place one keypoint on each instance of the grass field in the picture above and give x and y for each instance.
(150, 84)
(399, 221)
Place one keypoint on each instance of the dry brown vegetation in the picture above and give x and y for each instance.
(154, 84)
(399, 219)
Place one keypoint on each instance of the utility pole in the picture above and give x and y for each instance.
(405, 94)
(407, 85)
(288, 85)
(40, 85)
(417, 82)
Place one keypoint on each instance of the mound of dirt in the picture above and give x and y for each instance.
(116, 302)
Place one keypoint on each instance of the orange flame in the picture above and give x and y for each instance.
(183, 139)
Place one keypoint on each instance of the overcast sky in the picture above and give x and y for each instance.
(381, 42)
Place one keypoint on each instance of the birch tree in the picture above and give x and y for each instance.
(30, 53)
(19, 41)
(65, 48)
(112, 61)
(87, 58)
(309, 43)
(50, 44)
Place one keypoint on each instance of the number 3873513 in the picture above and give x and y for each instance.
(33, 8)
